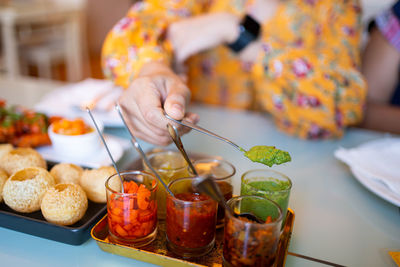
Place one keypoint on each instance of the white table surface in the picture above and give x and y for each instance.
(337, 219)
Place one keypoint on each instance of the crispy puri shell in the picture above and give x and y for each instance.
(20, 158)
(64, 204)
(3, 178)
(93, 182)
(5, 148)
(24, 190)
(66, 173)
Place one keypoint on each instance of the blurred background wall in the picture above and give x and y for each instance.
(101, 16)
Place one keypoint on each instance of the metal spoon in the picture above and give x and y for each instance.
(208, 186)
(186, 123)
(121, 111)
(268, 155)
(108, 150)
(173, 132)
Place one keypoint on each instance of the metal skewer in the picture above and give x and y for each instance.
(108, 151)
(173, 132)
(121, 112)
(186, 123)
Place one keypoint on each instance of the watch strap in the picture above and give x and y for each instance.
(249, 30)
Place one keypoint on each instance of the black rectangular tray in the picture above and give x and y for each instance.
(35, 224)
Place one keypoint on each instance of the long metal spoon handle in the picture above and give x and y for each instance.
(139, 149)
(178, 142)
(208, 186)
(108, 150)
(204, 131)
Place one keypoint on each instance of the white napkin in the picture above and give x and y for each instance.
(378, 159)
(72, 99)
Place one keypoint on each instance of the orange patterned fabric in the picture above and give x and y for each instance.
(306, 75)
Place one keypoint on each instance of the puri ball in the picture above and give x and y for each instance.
(24, 190)
(93, 182)
(3, 178)
(20, 158)
(64, 173)
(64, 204)
(5, 148)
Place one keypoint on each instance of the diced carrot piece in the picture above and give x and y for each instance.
(133, 215)
(119, 203)
(128, 227)
(142, 190)
(126, 186)
(134, 187)
(121, 231)
(117, 211)
(145, 228)
(115, 218)
(268, 220)
(143, 203)
(131, 203)
(143, 195)
(146, 215)
(138, 232)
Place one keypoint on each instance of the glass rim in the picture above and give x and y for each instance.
(279, 219)
(187, 201)
(220, 160)
(153, 154)
(266, 170)
(126, 173)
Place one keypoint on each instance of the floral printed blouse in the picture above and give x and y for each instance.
(306, 75)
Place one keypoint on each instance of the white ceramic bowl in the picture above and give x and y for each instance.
(77, 146)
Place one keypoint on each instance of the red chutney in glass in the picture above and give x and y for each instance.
(132, 215)
(190, 225)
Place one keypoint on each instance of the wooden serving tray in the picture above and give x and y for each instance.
(157, 252)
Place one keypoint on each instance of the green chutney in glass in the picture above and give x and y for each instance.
(275, 189)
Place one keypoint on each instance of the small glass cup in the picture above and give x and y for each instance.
(132, 215)
(267, 183)
(222, 171)
(170, 165)
(248, 243)
(190, 221)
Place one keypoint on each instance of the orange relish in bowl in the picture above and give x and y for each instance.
(71, 127)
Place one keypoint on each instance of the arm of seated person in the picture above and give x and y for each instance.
(382, 117)
(381, 69)
(380, 66)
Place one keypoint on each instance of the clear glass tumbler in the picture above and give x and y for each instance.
(132, 215)
(170, 165)
(249, 243)
(222, 171)
(267, 183)
(190, 221)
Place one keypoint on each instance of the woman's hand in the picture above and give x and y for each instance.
(156, 88)
(196, 34)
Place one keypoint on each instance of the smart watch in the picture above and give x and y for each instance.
(249, 30)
